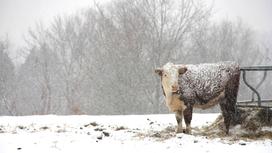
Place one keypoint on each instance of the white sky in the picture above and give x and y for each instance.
(256, 13)
(16, 16)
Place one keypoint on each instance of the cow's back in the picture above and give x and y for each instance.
(203, 82)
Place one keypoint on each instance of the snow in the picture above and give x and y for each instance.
(208, 79)
(130, 133)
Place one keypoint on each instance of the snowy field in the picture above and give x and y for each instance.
(128, 134)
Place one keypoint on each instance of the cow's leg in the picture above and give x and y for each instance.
(226, 114)
(231, 95)
(229, 112)
(179, 116)
(228, 104)
(188, 112)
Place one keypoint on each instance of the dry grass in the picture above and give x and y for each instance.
(167, 133)
(252, 123)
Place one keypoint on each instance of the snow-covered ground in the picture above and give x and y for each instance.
(130, 133)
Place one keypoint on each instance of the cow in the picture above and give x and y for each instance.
(200, 86)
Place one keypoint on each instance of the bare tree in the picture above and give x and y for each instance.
(71, 38)
(137, 36)
(37, 82)
(7, 77)
(227, 40)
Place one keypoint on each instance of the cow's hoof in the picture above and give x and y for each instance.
(227, 133)
(180, 130)
(188, 131)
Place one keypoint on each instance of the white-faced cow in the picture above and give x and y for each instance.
(200, 86)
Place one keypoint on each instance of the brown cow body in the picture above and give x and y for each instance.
(200, 86)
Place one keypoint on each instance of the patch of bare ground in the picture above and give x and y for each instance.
(167, 133)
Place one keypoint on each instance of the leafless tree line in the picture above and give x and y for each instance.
(101, 60)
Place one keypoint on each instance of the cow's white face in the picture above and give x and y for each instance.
(169, 77)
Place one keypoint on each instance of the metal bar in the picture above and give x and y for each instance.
(256, 68)
(249, 101)
(254, 106)
(255, 91)
(259, 84)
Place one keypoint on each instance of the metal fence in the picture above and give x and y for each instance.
(259, 102)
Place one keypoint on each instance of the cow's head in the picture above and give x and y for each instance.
(169, 76)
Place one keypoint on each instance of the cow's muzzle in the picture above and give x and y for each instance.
(176, 92)
(174, 89)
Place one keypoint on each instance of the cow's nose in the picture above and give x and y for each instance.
(174, 88)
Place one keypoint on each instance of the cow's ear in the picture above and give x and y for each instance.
(158, 71)
(182, 69)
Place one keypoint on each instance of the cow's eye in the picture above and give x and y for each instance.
(165, 75)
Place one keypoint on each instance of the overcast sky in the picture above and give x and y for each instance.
(16, 16)
(256, 13)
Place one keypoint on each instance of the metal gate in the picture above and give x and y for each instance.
(259, 102)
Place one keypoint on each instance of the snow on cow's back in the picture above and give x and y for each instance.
(207, 78)
(207, 71)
